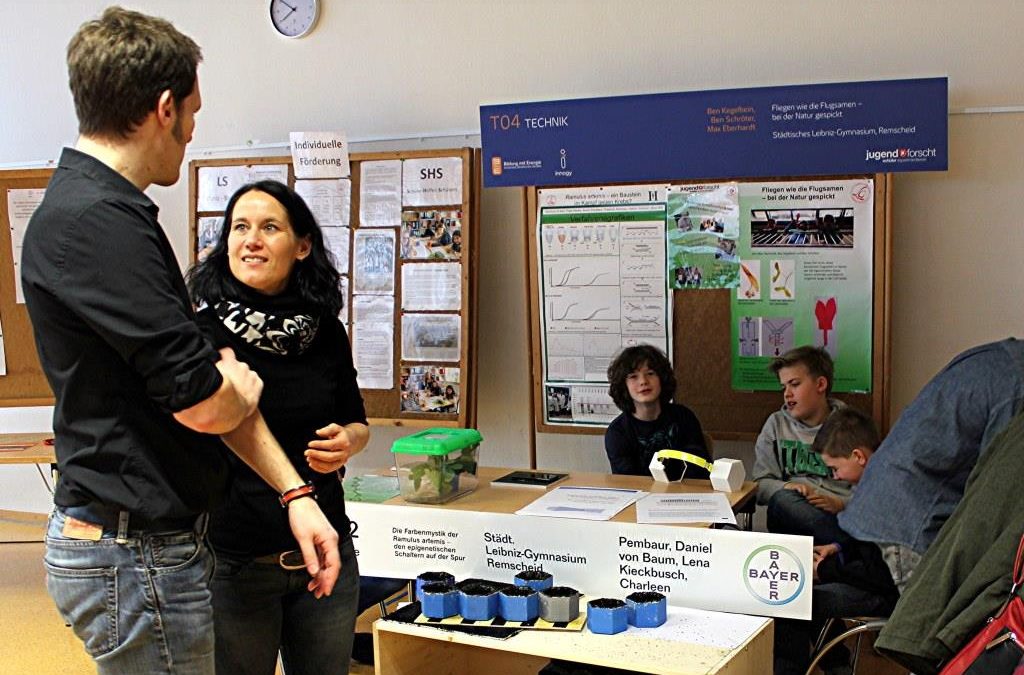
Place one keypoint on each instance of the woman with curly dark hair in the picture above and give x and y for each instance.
(642, 384)
(270, 291)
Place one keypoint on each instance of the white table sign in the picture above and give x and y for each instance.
(722, 570)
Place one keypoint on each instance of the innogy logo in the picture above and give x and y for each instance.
(774, 575)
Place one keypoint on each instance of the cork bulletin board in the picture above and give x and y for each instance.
(387, 406)
(701, 350)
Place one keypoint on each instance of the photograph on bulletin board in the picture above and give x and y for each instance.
(430, 389)
(207, 232)
(702, 229)
(431, 235)
(806, 272)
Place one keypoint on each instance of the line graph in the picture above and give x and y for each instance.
(582, 274)
(576, 311)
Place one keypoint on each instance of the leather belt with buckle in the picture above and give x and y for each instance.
(287, 560)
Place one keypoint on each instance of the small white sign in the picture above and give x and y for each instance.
(218, 183)
(380, 193)
(432, 181)
(21, 204)
(319, 154)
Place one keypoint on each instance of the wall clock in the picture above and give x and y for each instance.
(294, 18)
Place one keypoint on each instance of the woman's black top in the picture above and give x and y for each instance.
(309, 381)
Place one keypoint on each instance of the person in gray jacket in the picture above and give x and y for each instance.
(792, 480)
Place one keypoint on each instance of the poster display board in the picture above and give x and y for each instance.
(601, 278)
(805, 278)
(22, 382)
(704, 220)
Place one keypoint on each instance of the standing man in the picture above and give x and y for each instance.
(917, 478)
(138, 389)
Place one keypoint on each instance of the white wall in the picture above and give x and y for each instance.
(404, 70)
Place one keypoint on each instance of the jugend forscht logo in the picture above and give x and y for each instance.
(901, 155)
(773, 575)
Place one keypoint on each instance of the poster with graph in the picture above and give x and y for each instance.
(603, 286)
(805, 278)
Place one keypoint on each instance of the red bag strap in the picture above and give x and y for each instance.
(1018, 569)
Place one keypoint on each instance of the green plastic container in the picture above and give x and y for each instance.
(437, 465)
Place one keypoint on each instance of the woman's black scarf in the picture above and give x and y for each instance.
(280, 324)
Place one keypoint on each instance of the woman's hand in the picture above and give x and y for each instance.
(338, 445)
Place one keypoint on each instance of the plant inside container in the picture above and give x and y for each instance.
(440, 473)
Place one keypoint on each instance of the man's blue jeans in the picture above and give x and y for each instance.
(140, 603)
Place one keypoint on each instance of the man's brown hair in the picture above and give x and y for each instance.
(120, 63)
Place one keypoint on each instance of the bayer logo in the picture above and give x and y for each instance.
(773, 575)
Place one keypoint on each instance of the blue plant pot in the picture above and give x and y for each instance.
(535, 579)
(432, 578)
(439, 601)
(647, 609)
(518, 603)
(478, 602)
(607, 616)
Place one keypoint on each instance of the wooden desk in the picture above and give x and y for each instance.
(489, 499)
(26, 449)
(410, 648)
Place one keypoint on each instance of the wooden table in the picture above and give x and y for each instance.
(488, 499)
(26, 449)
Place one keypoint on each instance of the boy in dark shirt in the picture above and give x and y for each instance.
(642, 384)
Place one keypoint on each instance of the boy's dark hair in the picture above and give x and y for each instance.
(120, 63)
(843, 431)
(628, 360)
(315, 279)
(817, 361)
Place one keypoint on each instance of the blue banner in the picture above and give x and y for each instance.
(805, 130)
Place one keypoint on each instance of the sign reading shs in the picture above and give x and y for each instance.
(432, 181)
(820, 129)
